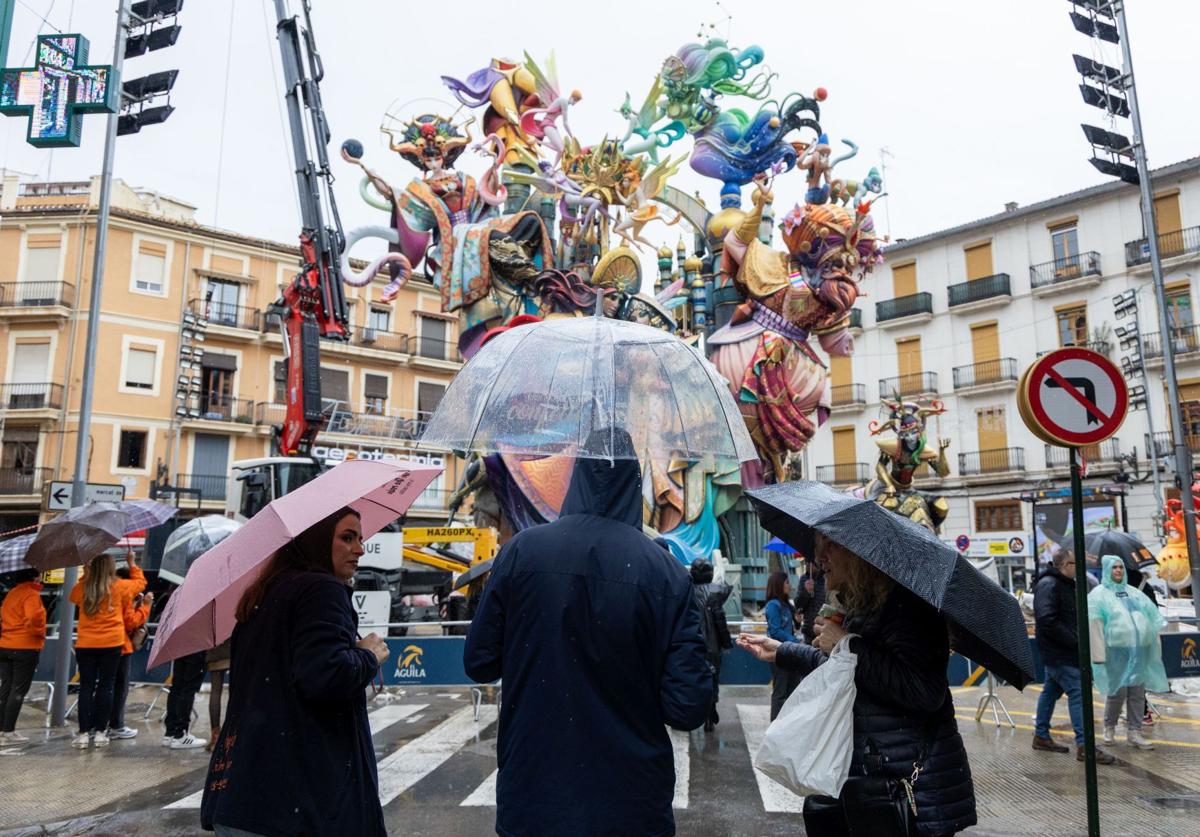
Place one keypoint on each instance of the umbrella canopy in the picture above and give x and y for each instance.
(200, 614)
(475, 571)
(543, 388)
(776, 545)
(80, 534)
(985, 622)
(1132, 552)
(190, 541)
(12, 554)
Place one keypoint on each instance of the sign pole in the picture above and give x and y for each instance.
(1085, 646)
(66, 610)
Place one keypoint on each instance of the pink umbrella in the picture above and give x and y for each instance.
(200, 614)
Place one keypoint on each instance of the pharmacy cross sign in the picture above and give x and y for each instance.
(56, 92)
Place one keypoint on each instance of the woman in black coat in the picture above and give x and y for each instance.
(903, 704)
(295, 755)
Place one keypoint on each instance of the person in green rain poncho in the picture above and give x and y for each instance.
(1131, 661)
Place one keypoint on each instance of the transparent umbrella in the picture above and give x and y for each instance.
(543, 388)
(190, 541)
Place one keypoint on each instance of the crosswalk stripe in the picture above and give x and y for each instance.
(776, 798)
(424, 754)
(380, 719)
(485, 795)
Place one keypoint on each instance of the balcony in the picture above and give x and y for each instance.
(429, 349)
(847, 473)
(848, 397)
(223, 408)
(986, 375)
(997, 461)
(1170, 245)
(31, 396)
(1096, 456)
(212, 487)
(22, 481)
(903, 386)
(1184, 340)
(407, 426)
(1079, 270)
(856, 318)
(18, 298)
(905, 309)
(980, 293)
(384, 341)
(432, 499)
(227, 315)
(1164, 445)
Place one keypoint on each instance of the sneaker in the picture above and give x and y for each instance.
(1049, 745)
(1110, 735)
(122, 733)
(187, 742)
(1138, 740)
(1102, 757)
(1148, 719)
(13, 737)
(168, 740)
(99, 740)
(81, 741)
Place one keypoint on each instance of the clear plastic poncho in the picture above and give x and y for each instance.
(1131, 623)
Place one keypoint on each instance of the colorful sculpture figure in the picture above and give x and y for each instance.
(1173, 567)
(480, 261)
(777, 378)
(899, 458)
(509, 90)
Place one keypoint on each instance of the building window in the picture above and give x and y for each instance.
(998, 516)
(335, 388)
(375, 388)
(131, 451)
(429, 396)
(379, 319)
(216, 393)
(433, 338)
(1073, 326)
(1064, 241)
(223, 300)
(1179, 307)
(42, 257)
(139, 368)
(151, 268)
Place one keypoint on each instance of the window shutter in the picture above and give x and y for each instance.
(227, 363)
(139, 367)
(375, 386)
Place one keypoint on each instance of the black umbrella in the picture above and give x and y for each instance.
(476, 571)
(1129, 549)
(986, 624)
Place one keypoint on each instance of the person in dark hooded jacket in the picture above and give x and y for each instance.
(714, 626)
(595, 632)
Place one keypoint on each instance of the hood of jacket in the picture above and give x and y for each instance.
(1108, 562)
(607, 488)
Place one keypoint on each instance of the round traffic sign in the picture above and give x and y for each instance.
(1073, 397)
(963, 543)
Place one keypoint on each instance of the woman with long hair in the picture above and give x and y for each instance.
(294, 755)
(22, 637)
(106, 616)
(781, 626)
(903, 712)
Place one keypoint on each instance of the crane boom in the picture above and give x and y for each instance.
(314, 303)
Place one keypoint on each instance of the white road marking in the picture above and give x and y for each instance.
(776, 798)
(484, 795)
(380, 719)
(424, 754)
(681, 744)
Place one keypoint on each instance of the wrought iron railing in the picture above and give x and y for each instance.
(918, 383)
(1104, 453)
(1163, 443)
(22, 480)
(387, 341)
(848, 395)
(904, 306)
(846, 473)
(224, 408)
(975, 290)
(433, 498)
(856, 318)
(36, 294)
(39, 396)
(1169, 244)
(426, 347)
(997, 461)
(985, 372)
(1183, 339)
(227, 314)
(1065, 269)
(210, 486)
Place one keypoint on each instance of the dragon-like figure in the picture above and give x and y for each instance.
(901, 455)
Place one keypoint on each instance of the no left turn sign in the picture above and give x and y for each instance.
(1073, 397)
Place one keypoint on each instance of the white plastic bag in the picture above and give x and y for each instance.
(808, 746)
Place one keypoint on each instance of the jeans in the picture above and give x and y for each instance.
(116, 718)
(97, 676)
(1060, 679)
(783, 683)
(186, 676)
(1135, 698)
(16, 673)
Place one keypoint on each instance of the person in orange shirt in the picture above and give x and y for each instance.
(22, 637)
(131, 581)
(104, 611)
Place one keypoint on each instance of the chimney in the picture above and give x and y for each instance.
(1011, 206)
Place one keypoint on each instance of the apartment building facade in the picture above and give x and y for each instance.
(190, 370)
(958, 315)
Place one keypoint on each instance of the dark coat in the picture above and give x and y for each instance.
(295, 754)
(595, 632)
(714, 626)
(808, 605)
(1055, 613)
(903, 698)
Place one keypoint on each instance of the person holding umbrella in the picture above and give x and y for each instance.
(22, 638)
(295, 755)
(1131, 661)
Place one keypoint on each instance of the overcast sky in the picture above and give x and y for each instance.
(977, 103)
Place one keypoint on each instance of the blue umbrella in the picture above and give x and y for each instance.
(776, 545)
